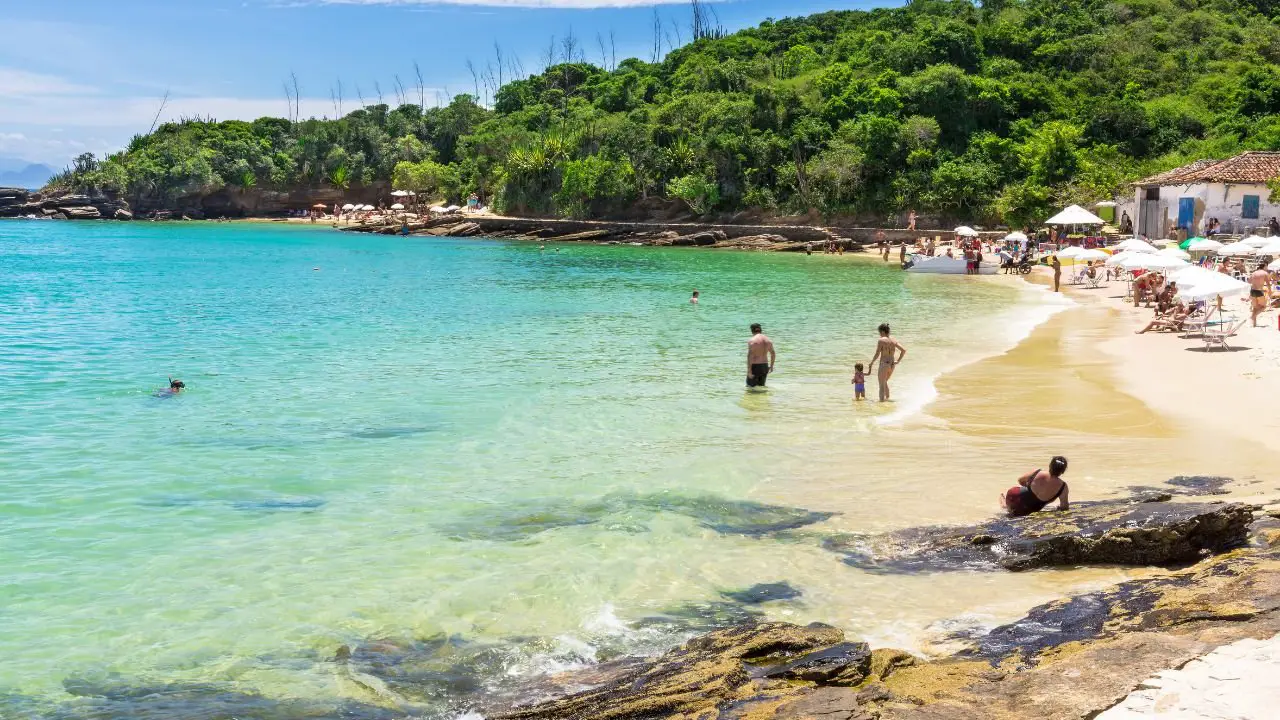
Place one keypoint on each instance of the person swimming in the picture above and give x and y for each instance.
(176, 386)
(1026, 497)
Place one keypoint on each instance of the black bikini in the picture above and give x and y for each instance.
(1029, 503)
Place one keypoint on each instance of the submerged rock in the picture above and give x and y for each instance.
(763, 593)
(725, 516)
(1107, 532)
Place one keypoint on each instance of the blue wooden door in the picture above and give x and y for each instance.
(1186, 211)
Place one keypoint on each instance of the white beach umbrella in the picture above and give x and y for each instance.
(1174, 252)
(453, 208)
(1255, 241)
(1271, 248)
(1016, 236)
(436, 209)
(1074, 215)
(1069, 252)
(397, 206)
(1236, 250)
(1204, 246)
(1210, 288)
(1120, 257)
(1136, 245)
(1151, 261)
(1274, 266)
(1192, 275)
(966, 231)
(1092, 255)
(400, 193)
(348, 206)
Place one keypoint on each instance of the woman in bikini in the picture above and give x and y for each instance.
(1037, 489)
(890, 353)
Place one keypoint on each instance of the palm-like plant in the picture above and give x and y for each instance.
(340, 177)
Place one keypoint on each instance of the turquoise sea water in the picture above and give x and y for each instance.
(396, 439)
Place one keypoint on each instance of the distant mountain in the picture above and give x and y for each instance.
(23, 174)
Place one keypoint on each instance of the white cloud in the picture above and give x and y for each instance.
(16, 83)
(137, 112)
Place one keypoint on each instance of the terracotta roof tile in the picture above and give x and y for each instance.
(1257, 166)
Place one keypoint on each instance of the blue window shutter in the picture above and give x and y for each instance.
(1250, 208)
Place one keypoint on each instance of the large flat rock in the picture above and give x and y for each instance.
(1120, 532)
(705, 672)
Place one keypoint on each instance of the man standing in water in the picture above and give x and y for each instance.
(760, 357)
(890, 353)
(1057, 273)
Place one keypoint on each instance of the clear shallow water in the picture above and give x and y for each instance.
(397, 438)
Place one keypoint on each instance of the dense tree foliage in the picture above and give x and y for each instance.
(997, 111)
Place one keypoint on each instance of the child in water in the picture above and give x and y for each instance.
(859, 383)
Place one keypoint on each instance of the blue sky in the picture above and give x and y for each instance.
(85, 75)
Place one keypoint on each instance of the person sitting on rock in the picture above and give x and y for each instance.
(1029, 495)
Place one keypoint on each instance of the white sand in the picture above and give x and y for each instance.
(1240, 681)
(1235, 391)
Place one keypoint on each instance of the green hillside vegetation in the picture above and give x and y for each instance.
(995, 112)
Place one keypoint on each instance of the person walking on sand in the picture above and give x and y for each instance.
(760, 357)
(1259, 284)
(911, 219)
(889, 352)
(1029, 495)
(1057, 273)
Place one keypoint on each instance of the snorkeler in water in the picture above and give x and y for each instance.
(176, 386)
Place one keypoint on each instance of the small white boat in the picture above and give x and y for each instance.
(944, 265)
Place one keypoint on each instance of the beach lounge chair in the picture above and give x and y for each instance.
(1218, 334)
(1094, 282)
(1195, 322)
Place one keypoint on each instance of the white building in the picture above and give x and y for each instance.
(1234, 191)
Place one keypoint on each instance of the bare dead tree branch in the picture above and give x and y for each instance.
(340, 115)
(288, 99)
(475, 78)
(656, 55)
(400, 95)
(377, 87)
(497, 53)
(613, 50)
(422, 98)
(604, 56)
(333, 97)
(163, 101)
(360, 96)
(297, 97)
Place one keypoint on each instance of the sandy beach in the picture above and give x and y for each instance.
(1176, 376)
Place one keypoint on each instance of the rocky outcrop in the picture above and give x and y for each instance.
(773, 238)
(78, 212)
(1120, 532)
(15, 202)
(700, 675)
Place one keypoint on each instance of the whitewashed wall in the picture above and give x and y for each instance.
(1218, 200)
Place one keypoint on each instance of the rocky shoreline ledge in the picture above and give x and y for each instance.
(767, 237)
(1071, 658)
